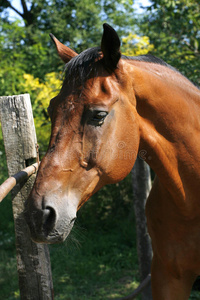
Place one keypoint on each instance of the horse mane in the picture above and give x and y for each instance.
(153, 59)
(79, 68)
(150, 59)
(81, 65)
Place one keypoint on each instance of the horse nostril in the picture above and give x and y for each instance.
(49, 218)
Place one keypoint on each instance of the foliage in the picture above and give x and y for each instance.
(80, 26)
(173, 28)
(18, 57)
(134, 45)
(41, 92)
(11, 62)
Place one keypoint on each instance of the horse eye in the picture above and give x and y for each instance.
(98, 117)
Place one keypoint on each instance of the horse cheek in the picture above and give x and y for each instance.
(119, 159)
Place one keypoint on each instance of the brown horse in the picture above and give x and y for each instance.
(109, 108)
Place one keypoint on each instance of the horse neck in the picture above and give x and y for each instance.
(167, 104)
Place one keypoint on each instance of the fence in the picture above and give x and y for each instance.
(33, 261)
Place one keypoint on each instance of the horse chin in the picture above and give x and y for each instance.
(55, 236)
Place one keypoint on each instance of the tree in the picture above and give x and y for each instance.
(29, 15)
(80, 21)
(173, 28)
(141, 182)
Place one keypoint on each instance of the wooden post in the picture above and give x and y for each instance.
(33, 261)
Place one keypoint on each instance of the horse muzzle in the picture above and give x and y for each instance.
(49, 222)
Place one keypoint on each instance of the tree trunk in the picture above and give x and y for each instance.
(141, 181)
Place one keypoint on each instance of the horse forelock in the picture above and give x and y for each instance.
(79, 68)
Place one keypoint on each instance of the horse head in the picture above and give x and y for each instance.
(94, 137)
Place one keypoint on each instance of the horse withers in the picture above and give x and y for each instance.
(109, 108)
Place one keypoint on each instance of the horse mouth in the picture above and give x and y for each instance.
(55, 236)
(48, 230)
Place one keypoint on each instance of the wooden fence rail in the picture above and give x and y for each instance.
(18, 178)
(33, 261)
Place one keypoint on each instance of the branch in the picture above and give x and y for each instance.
(139, 289)
(23, 3)
(13, 8)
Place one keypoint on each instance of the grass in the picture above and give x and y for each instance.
(102, 266)
(98, 264)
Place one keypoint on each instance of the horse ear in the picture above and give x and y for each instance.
(64, 52)
(110, 46)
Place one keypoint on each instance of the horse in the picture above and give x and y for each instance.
(111, 107)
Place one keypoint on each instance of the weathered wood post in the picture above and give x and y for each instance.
(33, 261)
